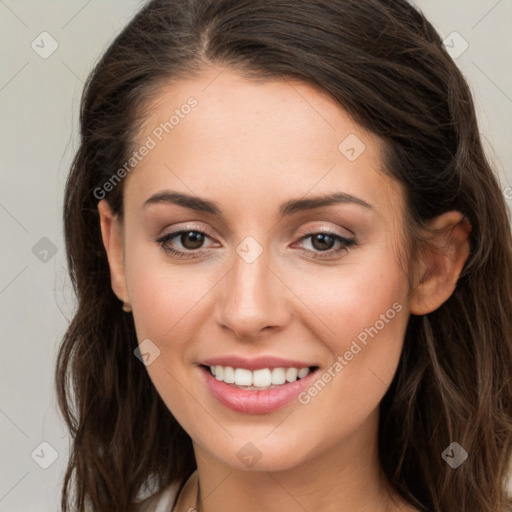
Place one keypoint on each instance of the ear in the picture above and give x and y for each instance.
(441, 262)
(112, 235)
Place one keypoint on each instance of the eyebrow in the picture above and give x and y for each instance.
(287, 208)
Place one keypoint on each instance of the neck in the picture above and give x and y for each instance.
(346, 477)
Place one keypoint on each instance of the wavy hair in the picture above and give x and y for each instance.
(386, 65)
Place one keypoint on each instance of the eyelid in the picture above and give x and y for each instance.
(324, 229)
(187, 227)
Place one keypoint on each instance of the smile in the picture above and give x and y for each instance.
(256, 391)
(264, 378)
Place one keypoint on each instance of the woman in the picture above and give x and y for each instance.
(293, 266)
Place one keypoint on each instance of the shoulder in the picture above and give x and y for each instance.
(162, 501)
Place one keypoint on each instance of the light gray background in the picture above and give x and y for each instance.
(39, 101)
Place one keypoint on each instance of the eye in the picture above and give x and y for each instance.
(191, 241)
(322, 243)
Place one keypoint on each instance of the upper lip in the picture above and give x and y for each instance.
(255, 363)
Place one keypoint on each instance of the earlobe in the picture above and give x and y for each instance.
(111, 234)
(441, 262)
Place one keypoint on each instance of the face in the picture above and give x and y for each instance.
(263, 276)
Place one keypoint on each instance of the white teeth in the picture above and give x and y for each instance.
(229, 375)
(278, 376)
(261, 378)
(243, 377)
(302, 372)
(258, 379)
(219, 373)
(291, 374)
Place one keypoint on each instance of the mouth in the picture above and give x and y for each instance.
(260, 379)
(257, 391)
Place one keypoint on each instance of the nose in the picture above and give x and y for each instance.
(252, 299)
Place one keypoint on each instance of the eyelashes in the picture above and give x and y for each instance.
(344, 243)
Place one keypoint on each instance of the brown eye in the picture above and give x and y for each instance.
(322, 244)
(322, 241)
(184, 243)
(192, 239)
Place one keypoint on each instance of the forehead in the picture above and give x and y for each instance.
(223, 136)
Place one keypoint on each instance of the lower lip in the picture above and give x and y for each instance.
(253, 401)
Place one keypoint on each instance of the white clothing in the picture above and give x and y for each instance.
(160, 502)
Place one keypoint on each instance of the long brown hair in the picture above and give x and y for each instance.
(386, 65)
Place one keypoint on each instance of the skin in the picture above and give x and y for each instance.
(250, 146)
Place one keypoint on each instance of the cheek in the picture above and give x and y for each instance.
(168, 305)
(352, 297)
(364, 312)
(165, 299)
